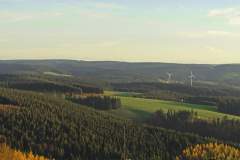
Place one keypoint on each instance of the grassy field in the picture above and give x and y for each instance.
(140, 109)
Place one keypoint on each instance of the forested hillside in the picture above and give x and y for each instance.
(62, 130)
(46, 84)
(126, 72)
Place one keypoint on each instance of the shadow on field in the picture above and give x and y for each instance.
(141, 115)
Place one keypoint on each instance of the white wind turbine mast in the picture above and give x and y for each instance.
(192, 76)
(169, 77)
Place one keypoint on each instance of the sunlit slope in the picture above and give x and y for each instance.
(6, 153)
(141, 109)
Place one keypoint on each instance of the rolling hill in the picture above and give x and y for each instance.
(126, 72)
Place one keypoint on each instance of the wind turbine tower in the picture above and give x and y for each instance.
(169, 77)
(192, 76)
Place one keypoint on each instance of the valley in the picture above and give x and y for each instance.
(70, 118)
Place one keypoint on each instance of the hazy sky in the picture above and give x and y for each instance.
(184, 31)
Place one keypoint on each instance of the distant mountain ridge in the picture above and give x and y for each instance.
(125, 71)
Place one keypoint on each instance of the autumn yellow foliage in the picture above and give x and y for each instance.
(7, 153)
(7, 107)
(211, 151)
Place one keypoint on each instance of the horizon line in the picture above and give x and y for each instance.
(119, 61)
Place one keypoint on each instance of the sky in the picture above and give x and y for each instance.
(181, 31)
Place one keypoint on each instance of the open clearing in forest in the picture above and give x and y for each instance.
(140, 108)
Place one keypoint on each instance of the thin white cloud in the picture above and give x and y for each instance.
(112, 6)
(215, 50)
(101, 9)
(101, 44)
(95, 14)
(227, 12)
(235, 21)
(232, 15)
(108, 43)
(220, 33)
(12, 1)
(11, 16)
(209, 34)
(97, 10)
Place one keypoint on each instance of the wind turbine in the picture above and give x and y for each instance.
(169, 77)
(192, 76)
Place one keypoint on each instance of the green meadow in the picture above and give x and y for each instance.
(140, 109)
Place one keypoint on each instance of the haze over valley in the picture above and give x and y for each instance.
(119, 80)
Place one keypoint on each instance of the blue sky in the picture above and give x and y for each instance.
(184, 31)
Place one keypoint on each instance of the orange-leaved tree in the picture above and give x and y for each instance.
(6, 153)
(211, 151)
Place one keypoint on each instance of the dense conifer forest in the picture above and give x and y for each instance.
(59, 129)
(98, 102)
(229, 105)
(43, 83)
(187, 121)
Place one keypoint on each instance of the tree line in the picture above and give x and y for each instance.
(199, 90)
(226, 99)
(229, 106)
(40, 83)
(188, 121)
(98, 102)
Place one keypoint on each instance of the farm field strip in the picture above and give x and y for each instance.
(140, 108)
